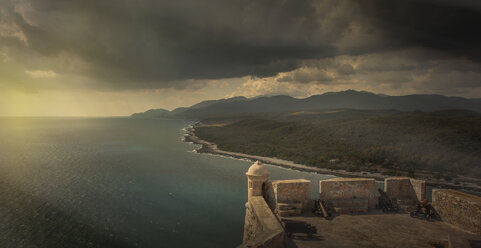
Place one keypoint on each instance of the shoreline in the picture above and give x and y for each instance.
(211, 148)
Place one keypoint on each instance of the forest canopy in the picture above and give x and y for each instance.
(440, 142)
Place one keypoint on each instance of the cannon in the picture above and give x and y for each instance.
(292, 226)
(424, 210)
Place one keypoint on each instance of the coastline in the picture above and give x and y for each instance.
(211, 148)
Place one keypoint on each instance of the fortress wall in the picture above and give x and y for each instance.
(290, 191)
(252, 224)
(349, 193)
(261, 228)
(419, 187)
(270, 195)
(458, 208)
(408, 191)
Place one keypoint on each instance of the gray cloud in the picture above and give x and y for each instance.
(396, 73)
(161, 44)
(380, 66)
(449, 26)
(154, 43)
(345, 69)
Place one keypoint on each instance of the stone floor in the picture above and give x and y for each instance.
(375, 229)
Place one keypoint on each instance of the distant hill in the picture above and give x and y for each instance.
(349, 99)
(153, 113)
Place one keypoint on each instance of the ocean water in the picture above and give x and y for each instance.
(118, 182)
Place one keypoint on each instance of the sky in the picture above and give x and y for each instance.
(117, 57)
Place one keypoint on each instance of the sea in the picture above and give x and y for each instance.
(119, 182)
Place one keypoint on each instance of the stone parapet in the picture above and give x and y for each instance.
(348, 194)
(407, 191)
(457, 208)
(295, 193)
(262, 228)
(419, 187)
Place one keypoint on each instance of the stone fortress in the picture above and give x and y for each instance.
(356, 222)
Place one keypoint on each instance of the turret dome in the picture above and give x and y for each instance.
(257, 169)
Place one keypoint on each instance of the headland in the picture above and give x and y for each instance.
(211, 148)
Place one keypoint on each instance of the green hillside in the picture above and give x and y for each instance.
(444, 142)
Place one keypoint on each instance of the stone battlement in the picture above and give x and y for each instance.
(262, 228)
(406, 190)
(289, 197)
(268, 201)
(348, 194)
(457, 208)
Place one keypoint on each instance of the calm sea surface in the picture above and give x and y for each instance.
(118, 182)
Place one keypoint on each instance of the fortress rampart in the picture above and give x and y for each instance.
(458, 208)
(289, 197)
(269, 201)
(262, 228)
(348, 194)
(407, 191)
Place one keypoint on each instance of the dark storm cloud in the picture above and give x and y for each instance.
(449, 26)
(380, 66)
(345, 69)
(155, 44)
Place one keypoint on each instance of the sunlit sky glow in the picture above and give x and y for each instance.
(112, 58)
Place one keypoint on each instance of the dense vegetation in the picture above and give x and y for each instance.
(444, 142)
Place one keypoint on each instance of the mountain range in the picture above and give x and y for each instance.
(349, 99)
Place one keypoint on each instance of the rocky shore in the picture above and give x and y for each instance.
(211, 148)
